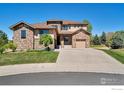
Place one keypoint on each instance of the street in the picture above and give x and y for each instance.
(63, 78)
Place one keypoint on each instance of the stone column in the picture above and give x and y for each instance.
(62, 41)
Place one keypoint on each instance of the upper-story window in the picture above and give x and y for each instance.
(43, 32)
(69, 27)
(77, 26)
(23, 34)
(65, 27)
(55, 26)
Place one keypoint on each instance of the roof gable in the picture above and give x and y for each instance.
(81, 30)
(19, 25)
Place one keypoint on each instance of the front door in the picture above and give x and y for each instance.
(67, 40)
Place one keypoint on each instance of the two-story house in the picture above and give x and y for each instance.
(65, 34)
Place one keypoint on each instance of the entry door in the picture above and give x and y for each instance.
(67, 40)
(80, 44)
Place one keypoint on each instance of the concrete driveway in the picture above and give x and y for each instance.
(89, 60)
(71, 60)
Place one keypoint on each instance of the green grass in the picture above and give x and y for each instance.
(99, 46)
(28, 57)
(116, 53)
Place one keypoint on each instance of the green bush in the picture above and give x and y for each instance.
(2, 50)
(13, 47)
(118, 40)
(108, 43)
(46, 40)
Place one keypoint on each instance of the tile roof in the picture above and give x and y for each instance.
(43, 25)
(70, 22)
(66, 21)
(73, 31)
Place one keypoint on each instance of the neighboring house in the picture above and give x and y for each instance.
(65, 34)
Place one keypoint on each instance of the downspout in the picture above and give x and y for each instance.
(33, 41)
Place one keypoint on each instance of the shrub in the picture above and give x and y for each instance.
(46, 40)
(118, 40)
(108, 43)
(2, 49)
(12, 46)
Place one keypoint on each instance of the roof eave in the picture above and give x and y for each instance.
(12, 26)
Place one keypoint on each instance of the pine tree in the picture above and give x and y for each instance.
(96, 40)
(103, 38)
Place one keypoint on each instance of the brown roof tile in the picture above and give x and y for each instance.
(66, 22)
(71, 32)
(70, 22)
(40, 25)
(44, 25)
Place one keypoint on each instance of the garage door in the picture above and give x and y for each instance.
(80, 44)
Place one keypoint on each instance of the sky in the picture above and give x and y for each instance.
(103, 17)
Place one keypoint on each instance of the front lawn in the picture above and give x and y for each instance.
(28, 57)
(99, 47)
(116, 53)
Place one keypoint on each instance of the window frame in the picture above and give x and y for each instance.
(41, 32)
(23, 34)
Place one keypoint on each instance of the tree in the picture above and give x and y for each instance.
(109, 35)
(89, 27)
(96, 40)
(3, 38)
(46, 40)
(103, 38)
(118, 40)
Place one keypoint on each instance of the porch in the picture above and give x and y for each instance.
(66, 41)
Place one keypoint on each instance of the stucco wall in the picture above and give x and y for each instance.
(72, 28)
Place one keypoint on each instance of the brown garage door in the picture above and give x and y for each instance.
(80, 44)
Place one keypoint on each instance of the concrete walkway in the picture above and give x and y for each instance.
(71, 60)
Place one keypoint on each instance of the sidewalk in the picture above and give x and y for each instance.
(53, 67)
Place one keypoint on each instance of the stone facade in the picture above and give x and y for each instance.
(74, 32)
(80, 35)
(26, 43)
(32, 39)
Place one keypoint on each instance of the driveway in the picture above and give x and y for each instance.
(71, 60)
(89, 60)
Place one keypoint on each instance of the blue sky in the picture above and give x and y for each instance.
(103, 17)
